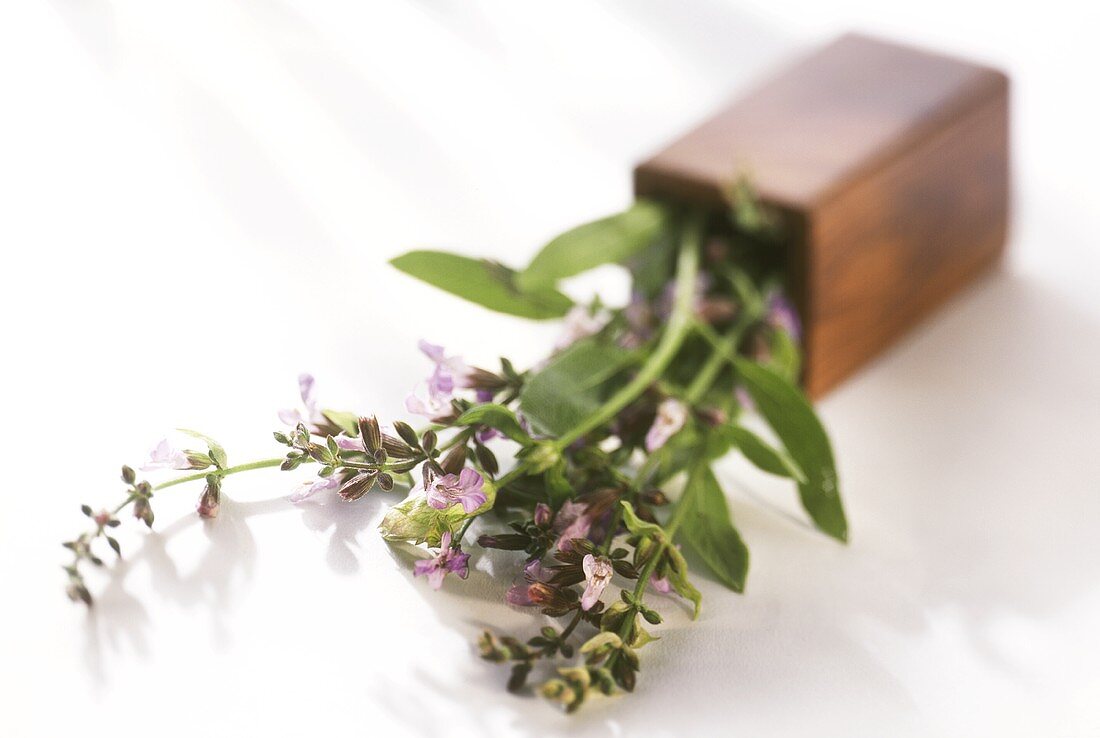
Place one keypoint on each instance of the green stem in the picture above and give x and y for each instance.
(264, 464)
(679, 325)
(724, 347)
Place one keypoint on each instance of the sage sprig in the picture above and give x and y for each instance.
(631, 409)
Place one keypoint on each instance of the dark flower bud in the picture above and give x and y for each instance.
(480, 379)
(385, 482)
(358, 485)
(429, 440)
(210, 500)
(487, 459)
(143, 511)
(128, 475)
(371, 433)
(454, 460)
(408, 435)
(397, 448)
(197, 460)
(504, 541)
(654, 497)
(77, 592)
(543, 515)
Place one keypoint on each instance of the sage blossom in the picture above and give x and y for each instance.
(571, 523)
(671, 417)
(305, 490)
(519, 593)
(781, 314)
(165, 456)
(464, 488)
(597, 573)
(449, 560)
(580, 323)
(660, 584)
(309, 414)
(449, 372)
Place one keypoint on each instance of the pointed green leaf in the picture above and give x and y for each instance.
(498, 417)
(764, 456)
(567, 390)
(707, 528)
(483, 282)
(605, 241)
(793, 419)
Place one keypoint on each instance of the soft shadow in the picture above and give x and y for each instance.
(119, 622)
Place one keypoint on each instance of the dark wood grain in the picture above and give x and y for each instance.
(890, 165)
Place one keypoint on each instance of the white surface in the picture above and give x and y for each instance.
(196, 202)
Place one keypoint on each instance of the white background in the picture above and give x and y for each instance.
(196, 203)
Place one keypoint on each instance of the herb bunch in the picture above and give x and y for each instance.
(630, 411)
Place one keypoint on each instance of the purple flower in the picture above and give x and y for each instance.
(580, 323)
(449, 560)
(671, 417)
(449, 372)
(660, 584)
(463, 488)
(597, 572)
(518, 594)
(306, 490)
(311, 415)
(782, 315)
(433, 408)
(165, 456)
(571, 523)
(543, 515)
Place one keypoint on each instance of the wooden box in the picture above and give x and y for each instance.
(890, 168)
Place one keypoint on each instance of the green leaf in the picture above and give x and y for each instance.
(605, 241)
(785, 355)
(486, 283)
(796, 424)
(347, 422)
(639, 527)
(496, 416)
(677, 577)
(414, 520)
(217, 452)
(567, 390)
(707, 528)
(764, 456)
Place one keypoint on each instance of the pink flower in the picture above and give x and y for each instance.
(782, 315)
(433, 408)
(306, 490)
(518, 593)
(580, 323)
(166, 456)
(449, 372)
(571, 523)
(671, 417)
(464, 488)
(309, 415)
(661, 584)
(598, 573)
(449, 560)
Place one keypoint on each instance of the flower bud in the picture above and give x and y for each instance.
(210, 500)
